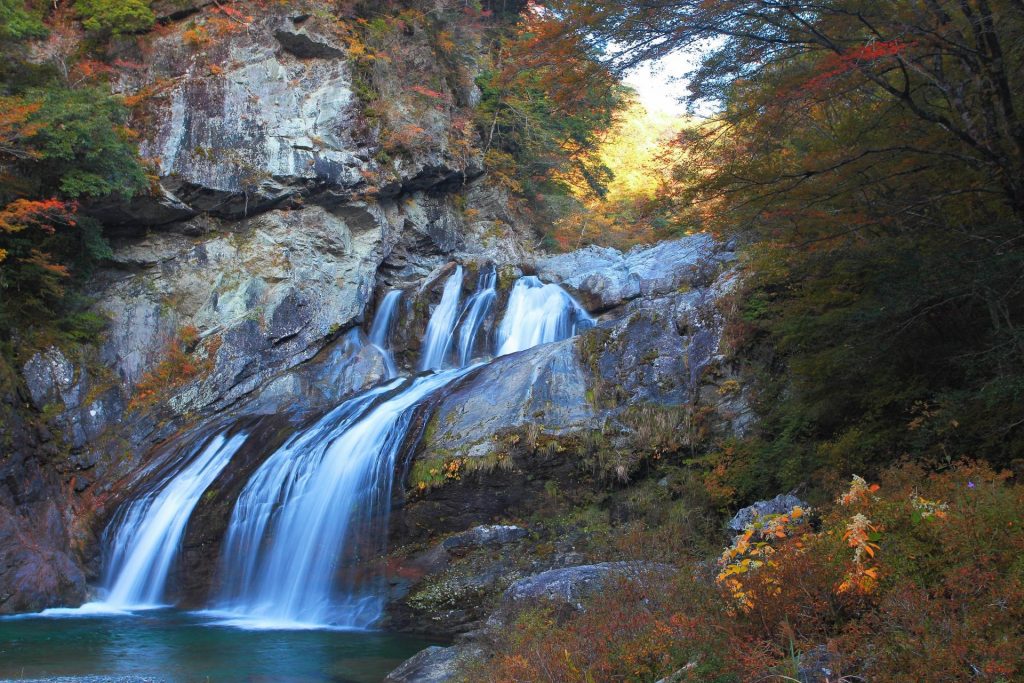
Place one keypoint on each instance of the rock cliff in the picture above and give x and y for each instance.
(238, 288)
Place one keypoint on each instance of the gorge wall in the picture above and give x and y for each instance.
(240, 287)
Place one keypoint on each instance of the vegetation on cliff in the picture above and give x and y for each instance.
(63, 142)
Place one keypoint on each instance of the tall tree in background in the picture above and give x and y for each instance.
(872, 151)
(546, 101)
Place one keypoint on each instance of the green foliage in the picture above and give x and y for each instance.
(84, 149)
(115, 17)
(20, 20)
(59, 145)
(541, 117)
(547, 145)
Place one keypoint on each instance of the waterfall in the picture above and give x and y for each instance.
(441, 327)
(314, 515)
(148, 536)
(381, 329)
(318, 506)
(539, 314)
(477, 309)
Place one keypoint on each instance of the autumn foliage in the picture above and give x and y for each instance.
(904, 597)
(63, 142)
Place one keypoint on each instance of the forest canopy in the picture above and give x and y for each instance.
(871, 156)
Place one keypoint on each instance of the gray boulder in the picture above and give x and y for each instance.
(435, 664)
(571, 585)
(779, 505)
(604, 277)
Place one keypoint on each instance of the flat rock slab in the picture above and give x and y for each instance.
(573, 584)
(494, 534)
(435, 664)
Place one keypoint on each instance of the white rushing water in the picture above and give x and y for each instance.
(438, 339)
(148, 537)
(293, 564)
(477, 309)
(539, 314)
(312, 519)
(380, 331)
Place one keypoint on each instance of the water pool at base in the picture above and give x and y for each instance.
(172, 646)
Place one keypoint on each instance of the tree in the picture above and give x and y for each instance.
(872, 155)
(545, 102)
(57, 145)
(20, 20)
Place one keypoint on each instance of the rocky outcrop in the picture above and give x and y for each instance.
(266, 115)
(656, 349)
(544, 386)
(269, 293)
(781, 504)
(604, 278)
(37, 564)
(436, 664)
(240, 121)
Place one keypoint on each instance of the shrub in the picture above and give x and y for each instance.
(115, 17)
(918, 578)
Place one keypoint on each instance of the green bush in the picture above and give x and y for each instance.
(115, 16)
(20, 20)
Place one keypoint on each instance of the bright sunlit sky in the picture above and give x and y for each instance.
(662, 84)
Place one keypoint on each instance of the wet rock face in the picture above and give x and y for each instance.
(656, 349)
(83, 409)
(544, 386)
(37, 568)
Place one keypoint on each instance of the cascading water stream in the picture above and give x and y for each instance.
(477, 309)
(332, 487)
(316, 510)
(148, 537)
(441, 328)
(267, 535)
(319, 506)
(539, 314)
(381, 329)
